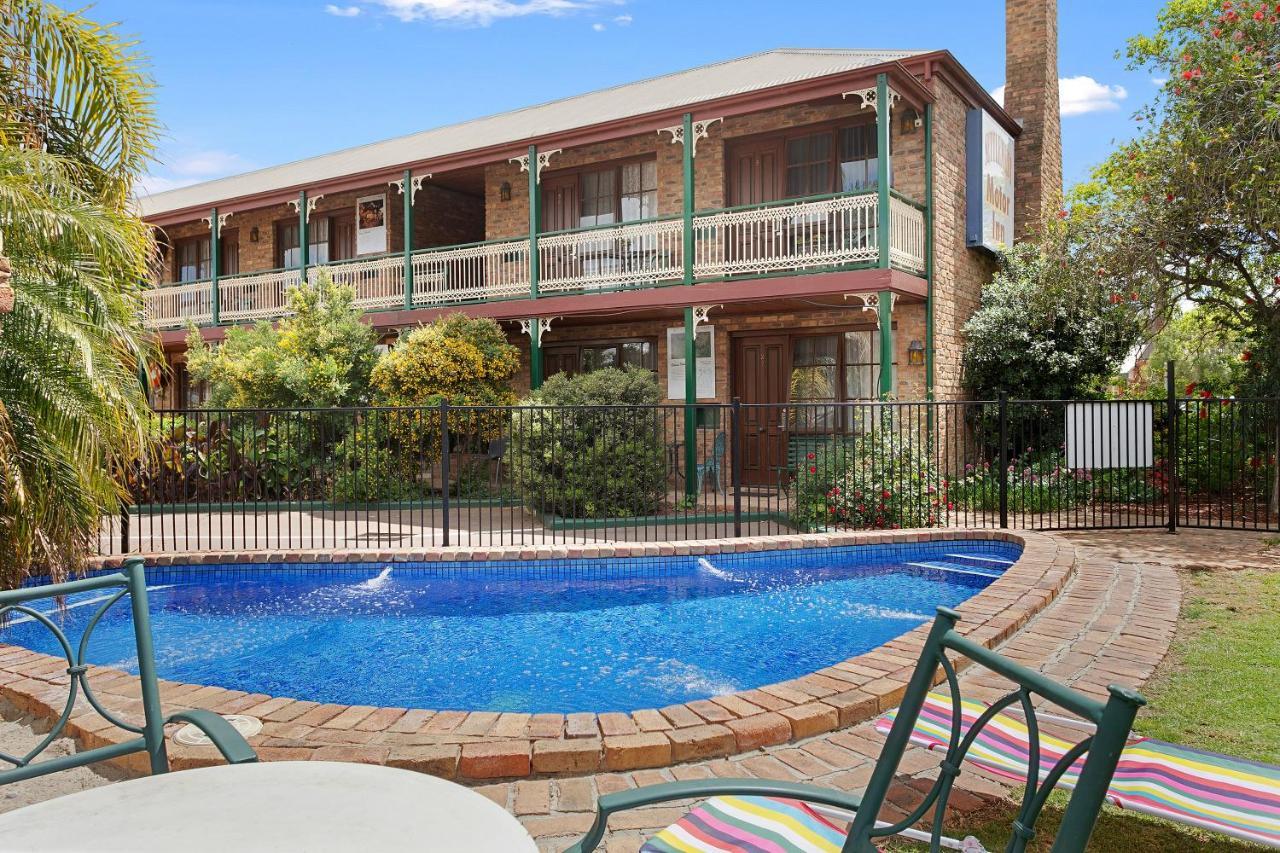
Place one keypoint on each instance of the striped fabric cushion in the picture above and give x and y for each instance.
(749, 825)
(1218, 792)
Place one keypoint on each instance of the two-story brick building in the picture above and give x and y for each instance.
(809, 215)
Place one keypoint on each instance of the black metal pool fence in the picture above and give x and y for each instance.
(386, 478)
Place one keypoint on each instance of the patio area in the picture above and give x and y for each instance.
(1111, 621)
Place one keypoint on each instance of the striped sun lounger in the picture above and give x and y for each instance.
(1228, 795)
(749, 825)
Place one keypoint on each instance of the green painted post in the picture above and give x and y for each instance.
(407, 193)
(302, 236)
(928, 253)
(885, 312)
(535, 354)
(687, 243)
(535, 203)
(215, 246)
(883, 123)
(690, 402)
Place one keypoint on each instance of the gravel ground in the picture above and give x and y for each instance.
(17, 736)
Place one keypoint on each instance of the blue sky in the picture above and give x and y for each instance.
(249, 83)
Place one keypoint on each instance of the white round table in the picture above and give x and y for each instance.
(271, 806)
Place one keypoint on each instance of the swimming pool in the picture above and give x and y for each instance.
(535, 636)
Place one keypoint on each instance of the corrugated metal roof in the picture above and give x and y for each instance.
(682, 88)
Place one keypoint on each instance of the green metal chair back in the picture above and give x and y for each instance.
(130, 581)
(1113, 720)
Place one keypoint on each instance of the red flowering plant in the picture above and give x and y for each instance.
(883, 479)
(1186, 212)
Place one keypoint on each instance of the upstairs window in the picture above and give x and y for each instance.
(192, 259)
(809, 165)
(859, 165)
(330, 237)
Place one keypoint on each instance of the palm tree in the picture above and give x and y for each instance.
(76, 129)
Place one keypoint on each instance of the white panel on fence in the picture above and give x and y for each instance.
(1109, 435)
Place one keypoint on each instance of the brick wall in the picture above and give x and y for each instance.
(1031, 97)
(959, 272)
(511, 218)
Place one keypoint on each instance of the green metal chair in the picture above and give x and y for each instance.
(129, 581)
(713, 464)
(1113, 720)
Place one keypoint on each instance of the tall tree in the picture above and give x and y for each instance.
(77, 129)
(1190, 209)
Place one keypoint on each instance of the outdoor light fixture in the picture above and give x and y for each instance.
(915, 353)
(504, 191)
(910, 120)
(253, 234)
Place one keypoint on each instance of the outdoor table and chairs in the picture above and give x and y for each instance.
(243, 805)
(278, 805)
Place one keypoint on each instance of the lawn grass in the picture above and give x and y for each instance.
(1219, 689)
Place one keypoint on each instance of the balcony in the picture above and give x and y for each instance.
(808, 235)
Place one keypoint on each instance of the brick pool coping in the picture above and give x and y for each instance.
(483, 746)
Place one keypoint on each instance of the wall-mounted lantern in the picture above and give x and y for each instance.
(253, 234)
(504, 191)
(915, 353)
(911, 120)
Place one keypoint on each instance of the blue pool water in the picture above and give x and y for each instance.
(538, 636)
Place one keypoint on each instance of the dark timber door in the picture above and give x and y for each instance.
(755, 173)
(754, 178)
(759, 376)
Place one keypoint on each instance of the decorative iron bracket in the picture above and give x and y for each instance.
(311, 203)
(222, 220)
(868, 97)
(415, 184)
(701, 130)
(543, 325)
(700, 313)
(871, 301)
(544, 160)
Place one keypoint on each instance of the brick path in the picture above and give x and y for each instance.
(1112, 623)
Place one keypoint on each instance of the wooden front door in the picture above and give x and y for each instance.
(759, 376)
(755, 173)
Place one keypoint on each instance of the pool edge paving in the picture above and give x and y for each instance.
(484, 746)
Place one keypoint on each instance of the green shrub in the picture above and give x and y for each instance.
(604, 462)
(1036, 483)
(319, 356)
(882, 479)
(370, 466)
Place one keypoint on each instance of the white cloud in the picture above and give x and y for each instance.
(192, 167)
(342, 11)
(152, 184)
(598, 27)
(623, 20)
(1080, 95)
(204, 164)
(484, 12)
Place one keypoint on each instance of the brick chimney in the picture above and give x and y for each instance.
(1031, 97)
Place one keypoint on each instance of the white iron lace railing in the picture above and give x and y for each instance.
(498, 269)
(906, 235)
(611, 257)
(255, 296)
(834, 231)
(175, 305)
(785, 236)
(377, 282)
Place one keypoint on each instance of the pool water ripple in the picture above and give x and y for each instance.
(553, 636)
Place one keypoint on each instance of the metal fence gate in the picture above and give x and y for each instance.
(383, 478)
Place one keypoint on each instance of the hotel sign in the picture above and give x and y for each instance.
(989, 183)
